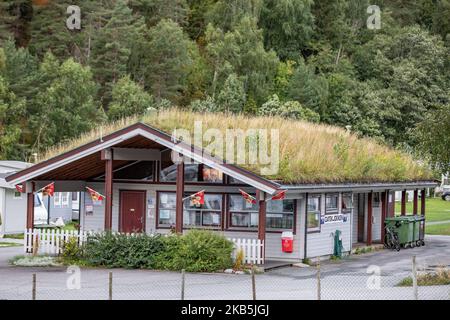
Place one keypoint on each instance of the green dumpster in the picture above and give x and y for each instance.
(419, 222)
(404, 227)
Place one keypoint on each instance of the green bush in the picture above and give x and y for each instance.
(197, 251)
(119, 250)
(71, 251)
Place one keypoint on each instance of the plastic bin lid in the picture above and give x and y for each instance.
(401, 218)
(287, 234)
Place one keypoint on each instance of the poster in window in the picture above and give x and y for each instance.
(212, 175)
(89, 210)
(164, 198)
(215, 219)
(164, 214)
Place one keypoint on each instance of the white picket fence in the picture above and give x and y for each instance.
(50, 242)
(253, 250)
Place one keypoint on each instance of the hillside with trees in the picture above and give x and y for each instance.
(304, 59)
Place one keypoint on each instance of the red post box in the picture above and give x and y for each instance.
(287, 241)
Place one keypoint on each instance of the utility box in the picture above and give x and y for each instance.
(287, 241)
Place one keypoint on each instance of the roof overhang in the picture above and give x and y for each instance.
(359, 187)
(150, 133)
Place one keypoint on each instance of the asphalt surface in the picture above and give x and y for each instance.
(369, 276)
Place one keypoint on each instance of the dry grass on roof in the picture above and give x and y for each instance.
(309, 153)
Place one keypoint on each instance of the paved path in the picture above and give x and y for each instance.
(346, 279)
(437, 222)
(18, 241)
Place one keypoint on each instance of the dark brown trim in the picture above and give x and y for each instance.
(369, 218)
(30, 208)
(422, 201)
(384, 205)
(415, 198)
(261, 215)
(108, 193)
(144, 213)
(179, 198)
(403, 203)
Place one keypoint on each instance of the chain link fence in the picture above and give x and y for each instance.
(311, 283)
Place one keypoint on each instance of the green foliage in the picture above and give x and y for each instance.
(432, 137)
(123, 251)
(288, 109)
(199, 251)
(128, 99)
(196, 251)
(71, 250)
(232, 96)
(206, 105)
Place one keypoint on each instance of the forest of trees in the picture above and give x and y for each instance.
(306, 59)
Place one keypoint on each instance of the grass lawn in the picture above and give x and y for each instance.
(9, 244)
(440, 229)
(436, 209)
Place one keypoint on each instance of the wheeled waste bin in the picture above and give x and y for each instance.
(404, 227)
(419, 227)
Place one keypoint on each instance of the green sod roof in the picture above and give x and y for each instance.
(308, 153)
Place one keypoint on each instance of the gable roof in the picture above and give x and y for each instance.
(145, 131)
(309, 153)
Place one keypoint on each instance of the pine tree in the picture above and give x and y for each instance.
(113, 47)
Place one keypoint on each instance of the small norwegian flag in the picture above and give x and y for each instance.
(95, 196)
(197, 199)
(248, 198)
(20, 188)
(48, 190)
(279, 196)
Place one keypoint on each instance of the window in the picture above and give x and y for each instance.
(17, 195)
(193, 172)
(347, 203)
(208, 214)
(141, 170)
(242, 213)
(331, 203)
(64, 199)
(166, 208)
(280, 214)
(376, 200)
(313, 213)
(57, 200)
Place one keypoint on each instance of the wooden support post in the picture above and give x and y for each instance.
(403, 209)
(384, 209)
(369, 217)
(179, 198)
(108, 192)
(30, 209)
(422, 202)
(261, 198)
(416, 193)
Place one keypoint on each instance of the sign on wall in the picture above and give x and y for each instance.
(333, 218)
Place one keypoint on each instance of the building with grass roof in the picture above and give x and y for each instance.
(144, 175)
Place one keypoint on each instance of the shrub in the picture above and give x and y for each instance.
(119, 250)
(239, 260)
(197, 251)
(71, 251)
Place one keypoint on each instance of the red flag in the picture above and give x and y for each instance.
(19, 188)
(48, 190)
(247, 197)
(279, 196)
(198, 198)
(95, 196)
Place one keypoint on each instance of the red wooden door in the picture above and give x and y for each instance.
(132, 211)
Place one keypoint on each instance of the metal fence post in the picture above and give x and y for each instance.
(253, 283)
(414, 279)
(183, 277)
(319, 292)
(110, 285)
(33, 287)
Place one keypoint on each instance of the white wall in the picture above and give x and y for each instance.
(322, 243)
(14, 212)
